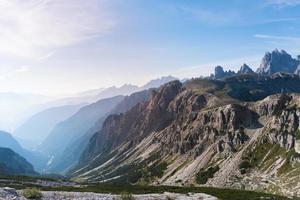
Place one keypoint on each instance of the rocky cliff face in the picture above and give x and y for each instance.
(197, 133)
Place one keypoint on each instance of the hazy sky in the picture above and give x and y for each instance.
(64, 46)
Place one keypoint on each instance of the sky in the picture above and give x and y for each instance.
(58, 47)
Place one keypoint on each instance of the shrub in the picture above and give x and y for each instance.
(203, 176)
(127, 196)
(178, 181)
(245, 164)
(297, 134)
(32, 193)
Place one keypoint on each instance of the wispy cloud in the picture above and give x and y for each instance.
(277, 20)
(33, 28)
(275, 37)
(5, 74)
(283, 3)
(45, 56)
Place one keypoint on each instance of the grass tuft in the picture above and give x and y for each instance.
(32, 193)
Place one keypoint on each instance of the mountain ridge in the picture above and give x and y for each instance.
(199, 133)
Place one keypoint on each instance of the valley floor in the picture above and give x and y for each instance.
(12, 188)
(7, 193)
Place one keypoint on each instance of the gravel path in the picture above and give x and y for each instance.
(93, 196)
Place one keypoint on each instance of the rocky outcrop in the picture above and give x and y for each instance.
(200, 129)
(7, 193)
(283, 119)
(277, 61)
(273, 105)
(283, 128)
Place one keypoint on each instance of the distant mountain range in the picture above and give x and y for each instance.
(92, 96)
(272, 62)
(17, 108)
(35, 158)
(71, 122)
(38, 127)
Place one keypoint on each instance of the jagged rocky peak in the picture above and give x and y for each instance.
(277, 61)
(245, 69)
(220, 73)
